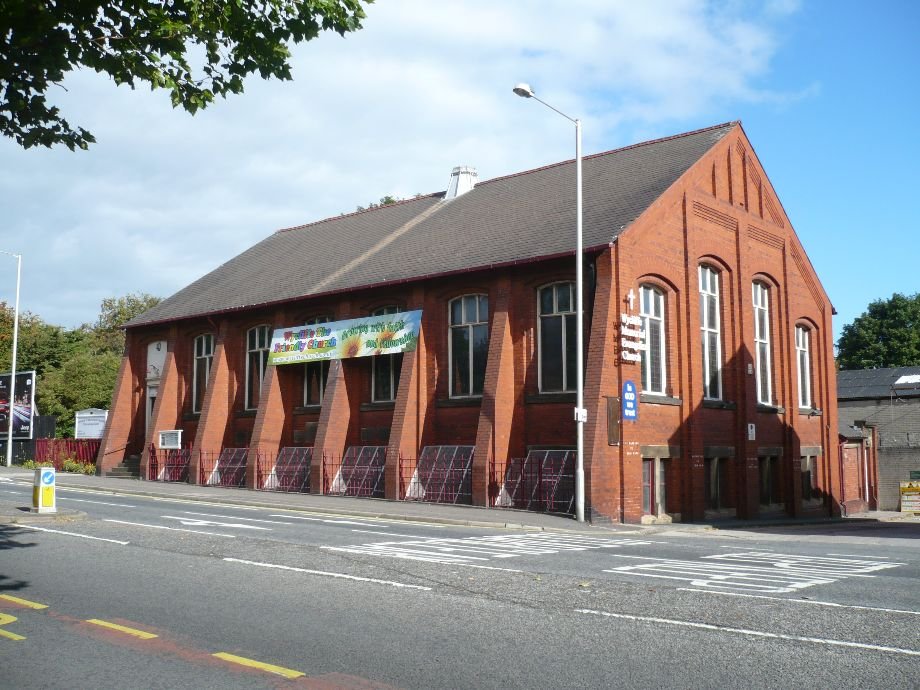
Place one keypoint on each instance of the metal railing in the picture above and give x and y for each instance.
(358, 473)
(442, 474)
(544, 481)
(288, 471)
(57, 450)
(225, 469)
(168, 465)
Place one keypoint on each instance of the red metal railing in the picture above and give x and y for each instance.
(57, 450)
(288, 471)
(544, 481)
(358, 473)
(168, 465)
(442, 474)
(228, 468)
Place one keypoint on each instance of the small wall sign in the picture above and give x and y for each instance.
(630, 402)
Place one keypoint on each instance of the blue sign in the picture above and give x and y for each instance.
(47, 477)
(630, 402)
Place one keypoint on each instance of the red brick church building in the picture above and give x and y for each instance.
(698, 296)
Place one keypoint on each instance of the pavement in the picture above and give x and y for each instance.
(410, 511)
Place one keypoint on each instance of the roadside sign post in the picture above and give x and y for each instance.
(43, 500)
(910, 497)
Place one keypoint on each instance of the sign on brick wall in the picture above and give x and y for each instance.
(364, 337)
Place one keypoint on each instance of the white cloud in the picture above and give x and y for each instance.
(165, 197)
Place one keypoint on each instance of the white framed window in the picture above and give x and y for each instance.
(385, 369)
(654, 355)
(201, 369)
(258, 339)
(556, 338)
(710, 333)
(468, 344)
(803, 362)
(763, 365)
(315, 373)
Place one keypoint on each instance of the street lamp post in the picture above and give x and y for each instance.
(9, 430)
(581, 414)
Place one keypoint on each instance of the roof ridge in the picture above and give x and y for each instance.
(376, 207)
(611, 151)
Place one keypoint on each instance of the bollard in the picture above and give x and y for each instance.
(43, 500)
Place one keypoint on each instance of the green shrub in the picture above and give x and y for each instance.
(32, 465)
(71, 465)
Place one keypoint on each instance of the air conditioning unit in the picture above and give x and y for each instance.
(171, 440)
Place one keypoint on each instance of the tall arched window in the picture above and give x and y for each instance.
(763, 365)
(315, 373)
(385, 368)
(803, 362)
(468, 344)
(556, 337)
(258, 340)
(710, 333)
(654, 356)
(201, 369)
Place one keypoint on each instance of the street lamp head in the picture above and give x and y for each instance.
(523, 90)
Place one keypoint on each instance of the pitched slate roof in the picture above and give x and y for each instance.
(518, 218)
(874, 383)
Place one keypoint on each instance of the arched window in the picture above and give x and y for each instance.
(468, 344)
(385, 368)
(710, 333)
(315, 373)
(763, 365)
(556, 337)
(654, 356)
(803, 362)
(201, 369)
(258, 340)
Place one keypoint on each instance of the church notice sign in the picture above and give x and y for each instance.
(910, 497)
(364, 337)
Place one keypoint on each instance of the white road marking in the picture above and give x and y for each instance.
(326, 520)
(813, 602)
(388, 534)
(754, 571)
(460, 551)
(854, 555)
(325, 573)
(172, 529)
(101, 503)
(74, 534)
(237, 517)
(752, 633)
(192, 522)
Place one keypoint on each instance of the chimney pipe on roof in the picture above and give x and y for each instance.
(462, 179)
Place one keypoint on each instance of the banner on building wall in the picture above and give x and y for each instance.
(22, 408)
(364, 337)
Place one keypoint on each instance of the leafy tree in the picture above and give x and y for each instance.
(85, 380)
(107, 334)
(196, 49)
(886, 335)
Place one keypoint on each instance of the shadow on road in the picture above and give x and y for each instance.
(9, 540)
(876, 529)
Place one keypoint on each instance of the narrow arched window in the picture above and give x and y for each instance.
(653, 359)
(258, 340)
(201, 369)
(468, 344)
(315, 373)
(803, 362)
(762, 354)
(556, 337)
(710, 333)
(385, 369)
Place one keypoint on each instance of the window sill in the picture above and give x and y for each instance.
(810, 412)
(373, 406)
(546, 398)
(459, 402)
(246, 413)
(191, 416)
(650, 399)
(306, 409)
(719, 404)
(770, 409)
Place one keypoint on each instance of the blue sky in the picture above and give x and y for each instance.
(827, 93)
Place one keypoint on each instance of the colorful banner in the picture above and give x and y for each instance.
(364, 337)
(23, 408)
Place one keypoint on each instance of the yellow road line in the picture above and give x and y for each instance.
(22, 602)
(252, 663)
(12, 636)
(121, 628)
